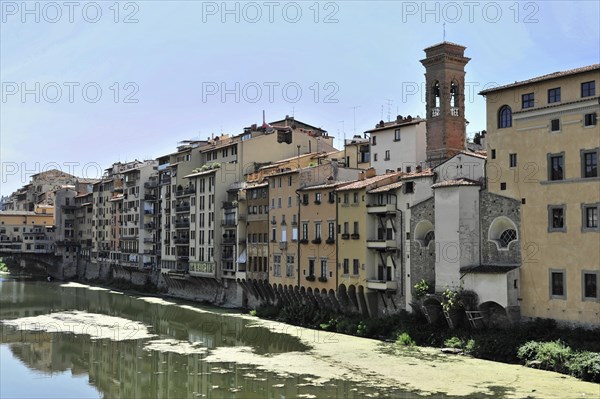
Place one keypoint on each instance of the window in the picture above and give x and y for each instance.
(409, 187)
(504, 117)
(554, 95)
(346, 267)
(507, 237)
(311, 267)
(556, 218)
(274, 234)
(355, 267)
(304, 230)
(558, 289)
(330, 230)
(589, 287)
(323, 268)
(317, 230)
(290, 181)
(512, 158)
(590, 119)
(555, 125)
(289, 267)
(355, 197)
(589, 163)
(387, 155)
(588, 89)
(397, 135)
(493, 154)
(375, 157)
(555, 166)
(589, 217)
(305, 199)
(374, 140)
(317, 198)
(355, 228)
(527, 100)
(277, 265)
(346, 198)
(503, 186)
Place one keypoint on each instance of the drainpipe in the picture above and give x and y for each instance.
(402, 234)
(298, 198)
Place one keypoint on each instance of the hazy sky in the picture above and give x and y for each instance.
(88, 83)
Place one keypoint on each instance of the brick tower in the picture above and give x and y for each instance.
(445, 101)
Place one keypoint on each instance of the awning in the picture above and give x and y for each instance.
(242, 257)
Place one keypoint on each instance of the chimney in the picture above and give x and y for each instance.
(361, 175)
(370, 172)
(418, 168)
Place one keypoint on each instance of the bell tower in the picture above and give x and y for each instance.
(445, 100)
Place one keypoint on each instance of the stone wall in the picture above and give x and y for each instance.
(493, 206)
(422, 260)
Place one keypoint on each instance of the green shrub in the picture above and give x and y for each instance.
(551, 355)
(405, 340)
(252, 312)
(454, 342)
(422, 288)
(585, 365)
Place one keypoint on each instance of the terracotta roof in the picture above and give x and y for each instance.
(444, 42)
(456, 182)
(549, 76)
(414, 175)
(23, 213)
(475, 154)
(250, 186)
(205, 172)
(358, 184)
(87, 181)
(496, 269)
(394, 124)
(324, 185)
(385, 188)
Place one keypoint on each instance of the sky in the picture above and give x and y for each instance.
(86, 84)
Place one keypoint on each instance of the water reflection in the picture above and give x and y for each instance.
(126, 369)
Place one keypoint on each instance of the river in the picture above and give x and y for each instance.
(69, 340)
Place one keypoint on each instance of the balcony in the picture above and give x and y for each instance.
(380, 285)
(454, 111)
(184, 224)
(310, 277)
(435, 112)
(345, 236)
(228, 223)
(182, 208)
(304, 241)
(202, 269)
(227, 256)
(381, 209)
(151, 184)
(330, 240)
(229, 240)
(185, 191)
(148, 240)
(149, 197)
(148, 211)
(165, 181)
(130, 183)
(316, 241)
(323, 279)
(355, 236)
(182, 240)
(229, 204)
(150, 226)
(382, 244)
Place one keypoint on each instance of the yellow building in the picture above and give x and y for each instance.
(26, 231)
(356, 264)
(543, 146)
(318, 249)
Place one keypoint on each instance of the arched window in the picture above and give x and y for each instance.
(424, 233)
(430, 236)
(435, 94)
(507, 237)
(503, 232)
(453, 95)
(504, 117)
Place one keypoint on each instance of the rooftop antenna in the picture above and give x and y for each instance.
(354, 118)
(343, 133)
(293, 109)
(381, 113)
(444, 29)
(389, 108)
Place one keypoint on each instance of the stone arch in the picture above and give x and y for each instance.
(436, 94)
(424, 233)
(504, 117)
(504, 233)
(494, 314)
(352, 296)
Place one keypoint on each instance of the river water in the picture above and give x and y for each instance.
(76, 341)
